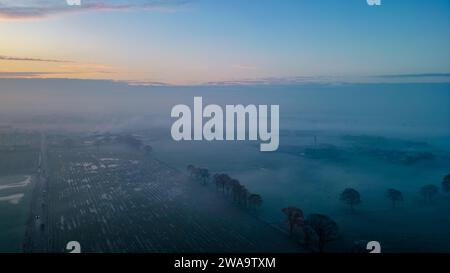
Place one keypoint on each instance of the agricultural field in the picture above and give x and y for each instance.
(113, 198)
(18, 164)
(15, 194)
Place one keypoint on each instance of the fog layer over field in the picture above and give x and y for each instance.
(332, 136)
(414, 110)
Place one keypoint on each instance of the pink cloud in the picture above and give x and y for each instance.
(29, 9)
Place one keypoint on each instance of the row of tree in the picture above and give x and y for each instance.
(429, 192)
(316, 228)
(200, 174)
(228, 186)
(319, 229)
(127, 139)
(322, 229)
(135, 143)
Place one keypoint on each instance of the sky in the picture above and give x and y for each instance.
(212, 41)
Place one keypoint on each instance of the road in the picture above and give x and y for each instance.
(36, 235)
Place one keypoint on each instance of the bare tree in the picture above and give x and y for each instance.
(221, 181)
(429, 192)
(351, 197)
(255, 201)
(446, 184)
(394, 195)
(243, 196)
(324, 227)
(198, 174)
(191, 170)
(148, 149)
(132, 141)
(236, 188)
(230, 185)
(294, 217)
(217, 181)
(204, 175)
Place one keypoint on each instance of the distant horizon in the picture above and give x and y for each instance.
(428, 78)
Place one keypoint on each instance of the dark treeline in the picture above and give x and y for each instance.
(229, 187)
(134, 142)
(99, 140)
(429, 193)
(316, 231)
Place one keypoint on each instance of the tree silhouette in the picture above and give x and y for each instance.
(132, 141)
(148, 149)
(255, 201)
(394, 195)
(221, 181)
(191, 169)
(230, 185)
(429, 192)
(204, 175)
(324, 227)
(351, 197)
(236, 189)
(227, 185)
(446, 184)
(243, 196)
(218, 182)
(198, 173)
(294, 217)
(309, 235)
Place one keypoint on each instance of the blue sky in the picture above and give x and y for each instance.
(196, 41)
